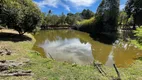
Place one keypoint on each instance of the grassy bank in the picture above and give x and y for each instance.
(86, 25)
(47, 69)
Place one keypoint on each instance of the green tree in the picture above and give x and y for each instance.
(44, 21)
(70, 19)
(122, 18)
(130, 21)
(62, 19)
(21, 15)
(78, 17)
(138, 34)
(107, 16)
(134, 8)
(54, 20)
(51, 19)
(87, 14)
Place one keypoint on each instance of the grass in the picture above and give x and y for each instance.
(86, 25)
(47, 69)
(86, 21)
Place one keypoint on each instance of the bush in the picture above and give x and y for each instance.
(86, 25)
(21, 15)
(138, 34)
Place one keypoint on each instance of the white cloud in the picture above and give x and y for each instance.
(52, 3)
(65, 3)
(82, 3)
(65, 6)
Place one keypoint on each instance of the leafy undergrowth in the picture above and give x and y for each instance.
(138, 34)
(86, 25)
(87, 21)
(47, 69)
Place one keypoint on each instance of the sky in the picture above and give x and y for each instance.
(73, 6)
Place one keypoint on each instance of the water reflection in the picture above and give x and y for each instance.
(110, 60)
(79, 47)
(70, 50)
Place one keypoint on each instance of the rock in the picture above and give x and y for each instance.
(22, 74)
(2, 61)
(3, 68)
(17, 73)
(8, 52)
(6, 64)
(5, 52)
(1, 51)
(11, 63)
(27, 71)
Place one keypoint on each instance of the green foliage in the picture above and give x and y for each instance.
(138, 34)
(52, 19)
(122, 18)
(62, 19)
(86, 21)
(107, 16)
(86, 25)
(21, 15)
(130, 21)
(44, 20)
(133, 8)
(70, 19)
(87, 14)
(56, 20)
(78, 17)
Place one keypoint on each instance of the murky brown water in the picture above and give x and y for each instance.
(78, 47)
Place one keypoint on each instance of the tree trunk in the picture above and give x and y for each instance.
(134, 25)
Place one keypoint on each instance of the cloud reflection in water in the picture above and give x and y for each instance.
(70, 50)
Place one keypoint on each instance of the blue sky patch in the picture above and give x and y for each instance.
(73, 6)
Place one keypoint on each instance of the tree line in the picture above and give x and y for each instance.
(50, 19)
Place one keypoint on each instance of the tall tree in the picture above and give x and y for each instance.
(107, 16)
(122, 20)
(134, 8)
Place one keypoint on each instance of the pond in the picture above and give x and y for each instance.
(78, 47)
